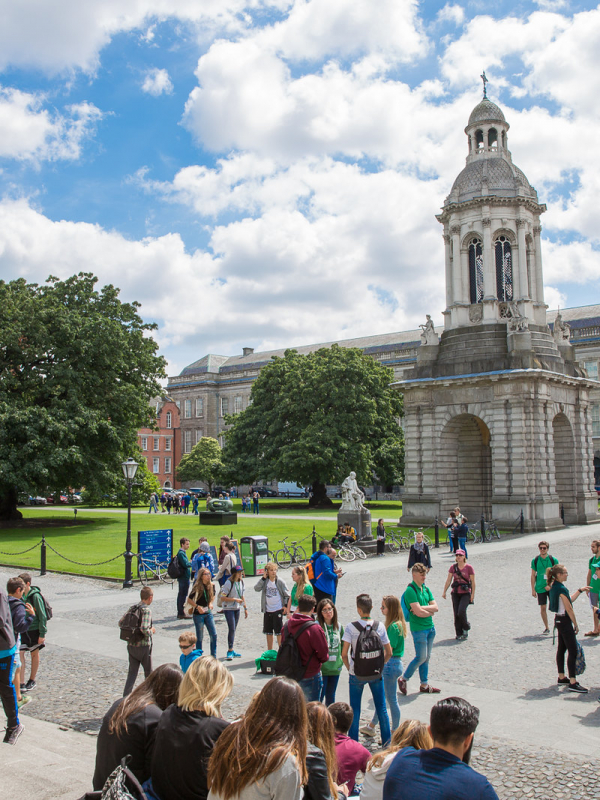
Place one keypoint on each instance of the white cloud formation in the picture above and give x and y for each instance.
(157, 82)
(30, 131)
(451, 12)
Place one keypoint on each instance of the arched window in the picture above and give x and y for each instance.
(493, 139)
(479, 140)
(168, 420)
(504, 274)
(476, 270)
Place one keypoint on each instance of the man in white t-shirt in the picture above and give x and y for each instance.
(364, 604)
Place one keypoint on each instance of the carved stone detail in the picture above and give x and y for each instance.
(476, 312)
(455, 230)
(486, 222)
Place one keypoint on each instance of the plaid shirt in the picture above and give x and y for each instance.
(146, 639)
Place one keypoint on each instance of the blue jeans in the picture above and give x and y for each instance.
(311, 687)
(232, 617)
(200, 620)
(462, 544)
(356, 687)
(391, 673)
(423, 641)
(328, 689)
(184, 585)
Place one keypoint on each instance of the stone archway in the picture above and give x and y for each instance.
(564, 466)
(465, 467)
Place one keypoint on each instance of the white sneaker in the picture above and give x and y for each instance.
(367, 729)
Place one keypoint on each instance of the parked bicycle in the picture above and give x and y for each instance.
(489, 529)
(290, 554)
(150, 568)
(426, 538)
(395, 541)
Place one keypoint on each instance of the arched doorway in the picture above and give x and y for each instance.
(465, 467)
(564, 466)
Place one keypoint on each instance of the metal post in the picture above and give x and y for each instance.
(482, 528)
(522, 522)
(437, 532)
(314, 540)
(75, 512)
(128, 582)
(43, 556)
(562, 513)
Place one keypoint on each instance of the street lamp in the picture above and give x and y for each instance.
(129, 469)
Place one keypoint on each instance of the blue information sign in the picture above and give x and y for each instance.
(156, 543)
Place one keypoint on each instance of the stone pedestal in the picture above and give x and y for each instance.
(218, 518)
(359, 520)
(427, 353)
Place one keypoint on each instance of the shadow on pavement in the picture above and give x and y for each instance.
(592, 720)
(532, 638)
(540, 693)
(448, 643)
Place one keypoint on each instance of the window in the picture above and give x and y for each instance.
(591, 367)
(221, 442)
(156, 443)
(199, 406)
(199, 434)
(187, 409)
(476, 270)
(224, 406)
(504, 276)
(169, 418)
(187, 441)
(167, 465)
(596, 419)
(237, 405)
(144, 442)
(168, 441)
(155, 465)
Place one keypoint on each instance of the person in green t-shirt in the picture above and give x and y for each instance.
(419, 601)
(301, 586)
(561, 604)
(539, 588)
(328, 619)
(593, 581)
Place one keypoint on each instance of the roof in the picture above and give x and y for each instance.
(486, 111)
(501, 177)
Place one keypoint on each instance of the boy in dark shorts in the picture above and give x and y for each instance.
(273, 603)
(539, 587)
(33, 640)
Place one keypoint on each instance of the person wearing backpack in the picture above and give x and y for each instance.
(185, 570)
(561, 604)
(322, 573)
(33, 639)
(420, 604)
(539, 566)
(139, 646)
(365, 649)
(304, 645)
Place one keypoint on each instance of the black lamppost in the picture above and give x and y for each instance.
(129, 469)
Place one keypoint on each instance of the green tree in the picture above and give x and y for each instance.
(315, 418)
(115, 494)
(77, 372)
(202, 463)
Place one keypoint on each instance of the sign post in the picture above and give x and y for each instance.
(157, 544)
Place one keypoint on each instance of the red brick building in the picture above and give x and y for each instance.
(162, 447)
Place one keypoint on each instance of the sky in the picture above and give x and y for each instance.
(265, 173)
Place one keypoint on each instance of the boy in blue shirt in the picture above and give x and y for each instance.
(187, 641)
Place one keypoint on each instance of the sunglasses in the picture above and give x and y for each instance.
(185, 646)
(543, 548)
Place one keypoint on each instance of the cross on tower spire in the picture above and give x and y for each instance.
(485, 81)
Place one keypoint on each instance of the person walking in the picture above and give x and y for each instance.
(419, 553)
(462, 577)
(183, 581)
(169, 502)
(22, 615)
(33, 640)
(153, 503)
(201, 601)
(380, 538)
(539, 567)
(232, 599)
(139, 651)
(395, 627)
(327, 618)
(561, 604)
(163, 503)
(593, 581)
(274, 601)
(421, 604)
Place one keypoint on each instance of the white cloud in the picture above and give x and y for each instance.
(156, 82)
(451, 13)
(554, 298)
(29, 131)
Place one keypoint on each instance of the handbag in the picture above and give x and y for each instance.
(580, 660)
(220, 597)
(122, 784)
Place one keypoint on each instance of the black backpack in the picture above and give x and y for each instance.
(131, 624)
(175, 570)
(368, 651)
(288, 662)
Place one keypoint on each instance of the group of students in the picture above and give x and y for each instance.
(179, 746)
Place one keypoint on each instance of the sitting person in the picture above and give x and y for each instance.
(129, 726)
(321, 759)
(351, 755)
(410, 733)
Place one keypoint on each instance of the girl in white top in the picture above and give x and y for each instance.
(409, 733)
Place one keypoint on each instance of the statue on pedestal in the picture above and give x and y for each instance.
(562, 330)
(428, 334)
(352, 497)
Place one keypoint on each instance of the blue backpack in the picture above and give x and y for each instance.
(405, 608)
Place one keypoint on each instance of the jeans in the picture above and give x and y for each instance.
(328, 688)
(8, 693)
(140, 656)
(184, 585)
(462, 544)
(391, 672)
(311, 687)
(255, 508)
(423, 641)
(233, 617)
(460, 604)
(356, 687)
(200, 620)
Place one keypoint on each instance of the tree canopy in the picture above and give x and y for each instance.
(203, 463)
(115, 494)
(77, 372)
(315, 418)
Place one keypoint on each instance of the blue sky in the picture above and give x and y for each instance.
(266, 173)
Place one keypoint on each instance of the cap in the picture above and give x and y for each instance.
(459, 552)
(204, 547)
(237, 568)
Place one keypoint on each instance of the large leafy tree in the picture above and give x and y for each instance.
(203, 463)
(315, 418)
(115, 494)
(77, 372)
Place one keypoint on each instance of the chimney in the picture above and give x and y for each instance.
(247, 351)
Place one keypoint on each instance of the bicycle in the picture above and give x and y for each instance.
(426, 538)
(396, 542)
(474, 533)
(358, 551)
(290, 554)
(153, 569)
(346, 552)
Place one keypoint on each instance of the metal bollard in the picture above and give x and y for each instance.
(437, 532)
(482, 528)
(562, 513)
(314, 540)
(522, 522)
(43, 557)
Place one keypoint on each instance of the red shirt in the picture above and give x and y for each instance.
(352, 758)
(312, 644)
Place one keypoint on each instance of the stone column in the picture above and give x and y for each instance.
(522, 266)
(489, 266)
(449, 255)
(457, 296)
(539, 277)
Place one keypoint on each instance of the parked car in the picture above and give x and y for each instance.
(37, 501)
(199, 492)
(265, 491)
(63, 499)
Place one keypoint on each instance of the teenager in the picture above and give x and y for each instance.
(419, 553)
(139, 652)
(273, 602)
(232, 598)
(410, 733)
(327, 618)
(33, 640)
(22, 615)
(312, 646)
(321, 759)
(422, 607)
(593, 581)
(263, 754)
(462, 577)
(227, 564)
(561, 604)
(201, 602)
(325, 575)
(129, 726)
(352, 757)
(8, 649)
(183, 581)
(301, 585)
(539, 566)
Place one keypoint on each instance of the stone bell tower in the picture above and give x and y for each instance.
(496, 411)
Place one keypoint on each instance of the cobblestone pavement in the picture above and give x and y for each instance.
(506, 666)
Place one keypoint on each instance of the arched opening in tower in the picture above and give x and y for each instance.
(465, 467)
(564, 466)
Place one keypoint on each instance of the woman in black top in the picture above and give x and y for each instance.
(380, 538)
(561, 604)
(129, 726)
(419, 553)
(321, 757)
(188, 731)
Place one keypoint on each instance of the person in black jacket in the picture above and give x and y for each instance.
(321, 758)
(22, 615)
(129, 726)
(419, 553)
(188, 731)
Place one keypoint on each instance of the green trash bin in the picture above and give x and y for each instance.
(254, 552)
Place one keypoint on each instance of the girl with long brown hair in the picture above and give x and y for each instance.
(410, 733)
(301, 586)
(201, 600)
(561, 603)
(129, 726)
(395, 626)
(327, 618)
(321, 760)
(263, 754)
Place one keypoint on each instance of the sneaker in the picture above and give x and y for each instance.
(181, 616)
(546, 630)
(577, 687)
(22, 687)
(465, 635)
(24, 700)
(29, 686)
(229, 656)
(12, 734)
(236, 655)
(429, 689)
(367, 730)
(563, 681)
(402, 687)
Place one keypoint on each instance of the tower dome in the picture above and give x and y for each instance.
(486, 111)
